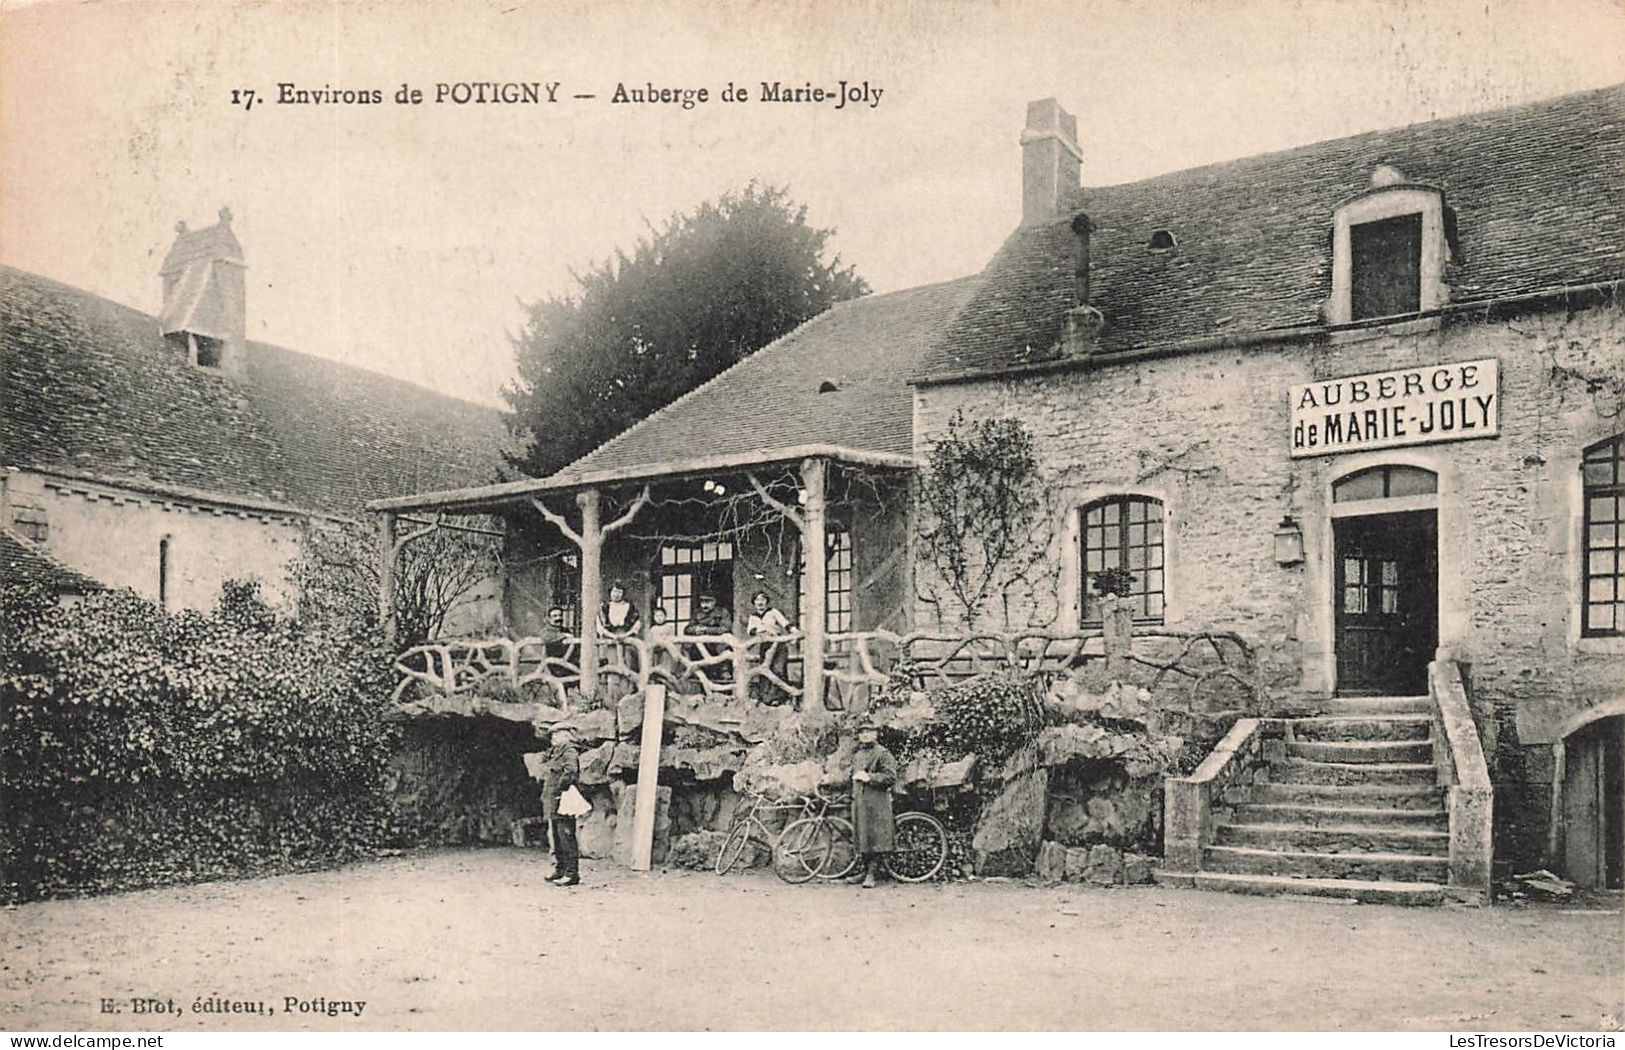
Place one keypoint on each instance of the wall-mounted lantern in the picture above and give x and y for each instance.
(1288, 542)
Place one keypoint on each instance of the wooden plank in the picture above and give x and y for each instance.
(643, 818)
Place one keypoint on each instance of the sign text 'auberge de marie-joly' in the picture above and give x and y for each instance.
(1410, 406)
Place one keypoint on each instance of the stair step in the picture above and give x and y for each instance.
(1335, 816)
(1362, 750)
(1362, 727)
(1304, 771)
(1349, 838)
(1381, 867)
(1365, 891)
(1421, 797)
(1366, 706)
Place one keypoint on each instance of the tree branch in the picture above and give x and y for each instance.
(783, 508)
(558, 520)
(631, 512)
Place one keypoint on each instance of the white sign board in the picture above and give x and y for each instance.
(1411, 406)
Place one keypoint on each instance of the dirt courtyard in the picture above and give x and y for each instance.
(475, 940)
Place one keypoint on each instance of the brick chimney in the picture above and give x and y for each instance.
(1049, 162)
(204, 312)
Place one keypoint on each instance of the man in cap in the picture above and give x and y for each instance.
(561, 769)
(874, 771)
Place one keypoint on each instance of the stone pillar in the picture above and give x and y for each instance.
(592, 587)
(1117, 626)
(386, 578)
(815, 543)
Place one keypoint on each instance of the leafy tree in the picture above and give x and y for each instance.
(640, 329)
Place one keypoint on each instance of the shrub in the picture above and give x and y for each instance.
(138, 747)
(992, 715)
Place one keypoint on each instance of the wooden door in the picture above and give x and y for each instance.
(1594, 804)
(1387, 602)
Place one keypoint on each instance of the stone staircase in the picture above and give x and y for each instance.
(1344, 803)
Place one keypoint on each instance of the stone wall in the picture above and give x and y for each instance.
(112, 534)
(1208, 435)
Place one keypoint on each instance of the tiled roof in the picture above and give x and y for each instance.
(22, 562)
(865, 348)
(209, 243)
(1538, 190)
(91, 387)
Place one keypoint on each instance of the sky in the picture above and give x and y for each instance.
(404, 238)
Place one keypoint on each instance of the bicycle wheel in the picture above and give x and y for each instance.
(733, 847)
(843, 849)
(921, 848)
(803, 849)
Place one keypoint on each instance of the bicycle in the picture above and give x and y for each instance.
(825, 845)
(748, 826)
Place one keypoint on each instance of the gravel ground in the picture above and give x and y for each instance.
(475, 940)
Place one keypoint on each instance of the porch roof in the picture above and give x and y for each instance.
(487, 498)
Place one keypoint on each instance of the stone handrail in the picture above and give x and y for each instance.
(1465, 776)
(1195, 806)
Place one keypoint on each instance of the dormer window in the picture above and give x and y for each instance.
(1389, 248)
(1162, 242)
(1385, 263)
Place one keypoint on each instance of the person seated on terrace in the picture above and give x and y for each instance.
(712, 618)
(767, 627)
(557, 647)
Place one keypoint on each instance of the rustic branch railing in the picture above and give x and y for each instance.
(765, 670)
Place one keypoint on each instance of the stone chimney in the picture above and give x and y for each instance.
(204, 312)
(1049, 162)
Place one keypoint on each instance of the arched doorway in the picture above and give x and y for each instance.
(1385, 594)
(1594, 803)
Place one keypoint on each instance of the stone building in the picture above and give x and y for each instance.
(1360, 402)
(168, 454)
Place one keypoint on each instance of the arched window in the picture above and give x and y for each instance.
(1123, 532)
(1602, 604)
(1385, 483)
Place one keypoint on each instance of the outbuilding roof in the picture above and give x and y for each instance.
(1538, 191)
(91, 387)
(25, 562)
(840, 379)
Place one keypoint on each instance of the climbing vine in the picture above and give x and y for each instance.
(983, 521)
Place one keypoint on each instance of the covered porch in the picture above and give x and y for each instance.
(818, 533)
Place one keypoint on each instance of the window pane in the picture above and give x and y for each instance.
(1367, 484)
(1385, 267)
(1390, 573)
(1411, 481)
(1390, 600)
(1601, 590)
(1600, 537)
(1603, 563)
(1603, 509)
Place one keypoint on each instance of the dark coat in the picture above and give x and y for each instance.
(561, 769)
(871, 799)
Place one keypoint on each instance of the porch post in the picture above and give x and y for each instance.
(386, 578)
(814, 544)
(592, 588)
